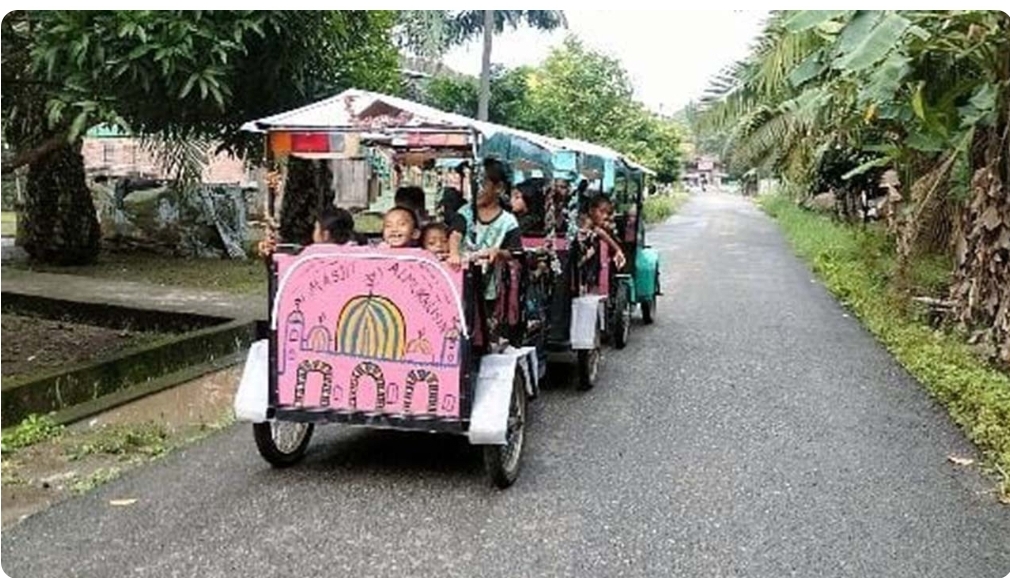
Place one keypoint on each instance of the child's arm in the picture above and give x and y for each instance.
(268, 245)
(513, 241)
(457, 229)
(454, 259)
(618, 252)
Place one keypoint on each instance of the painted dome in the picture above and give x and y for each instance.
(371, 326)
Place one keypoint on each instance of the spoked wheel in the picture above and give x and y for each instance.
(622, 319)
(502, 463)
(589, 367)
(282, 443)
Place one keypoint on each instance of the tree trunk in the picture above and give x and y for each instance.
(308, 187)
(981, 286)
(485, 67)
(59, 224)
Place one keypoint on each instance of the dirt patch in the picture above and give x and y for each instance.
(35, 345)
(89, 453)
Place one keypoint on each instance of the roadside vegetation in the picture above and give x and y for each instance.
(660, 207)
(233, 276)
(45, 461)
(896, 122)
(859, 266)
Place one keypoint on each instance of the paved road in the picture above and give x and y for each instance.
(754, 430)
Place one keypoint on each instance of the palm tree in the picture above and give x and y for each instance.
(467, 24)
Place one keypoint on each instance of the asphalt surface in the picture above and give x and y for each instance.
(754, 430)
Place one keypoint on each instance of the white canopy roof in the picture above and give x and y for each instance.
(590, 148)
(604, 152)
(344, 111)
(639, 167)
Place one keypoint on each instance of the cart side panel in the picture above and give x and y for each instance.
(368, 330)
(646, 267)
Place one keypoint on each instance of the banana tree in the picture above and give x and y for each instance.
(923, 92)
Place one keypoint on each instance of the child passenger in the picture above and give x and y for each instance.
(491, 231)
(413, 198)
(600, 213)
(334, 226)
(400, 228)
(435, 238)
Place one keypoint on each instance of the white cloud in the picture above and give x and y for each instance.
(670, 55)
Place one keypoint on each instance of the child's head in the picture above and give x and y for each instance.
(495, 179)
(599, 209)
(435, 238)
(518, 204)
(411, 198)
(451, 201)
(399, 227)
(333, 226)
(528, 197)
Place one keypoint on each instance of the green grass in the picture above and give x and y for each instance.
(8, 223)
(125, 441)
(659, 208)
(32, 430)
(97, 478)
(858, 266)
(240, 277)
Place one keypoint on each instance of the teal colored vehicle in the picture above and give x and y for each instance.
(643, 286)
(637, 284)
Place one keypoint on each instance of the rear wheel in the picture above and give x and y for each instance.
(589, 366)
(502, 463)
(622, 318)
(649, 306)
(648, 310)
(282, 443)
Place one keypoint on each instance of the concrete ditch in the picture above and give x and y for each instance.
(201, 344)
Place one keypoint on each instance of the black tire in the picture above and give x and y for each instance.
(502, 463)
(649, 307)
(288, 453)
(621, 322)
(648, 310)
(588, 361)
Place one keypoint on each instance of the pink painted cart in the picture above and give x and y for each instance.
(384, 339)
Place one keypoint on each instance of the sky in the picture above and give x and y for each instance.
(670, 55)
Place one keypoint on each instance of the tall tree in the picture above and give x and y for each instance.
(434, 32)
(581, 93)
(584, 94)
(487, 23)
(171, 75)
(509, 103)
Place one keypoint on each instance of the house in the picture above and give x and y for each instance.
(704, 171)
(110, 152)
